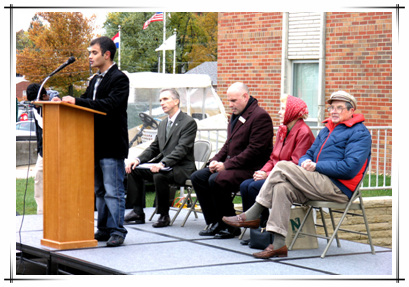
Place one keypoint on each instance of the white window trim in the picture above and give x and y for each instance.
(287, 66)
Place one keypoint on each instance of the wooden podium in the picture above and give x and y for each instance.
(68, 158)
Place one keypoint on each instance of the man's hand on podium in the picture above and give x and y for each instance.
(69, 100)
(66, 99)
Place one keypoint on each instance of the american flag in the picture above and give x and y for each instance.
(157, 17)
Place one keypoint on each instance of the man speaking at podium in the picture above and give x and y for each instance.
(108, 92)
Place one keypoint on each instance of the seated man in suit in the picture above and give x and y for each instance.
(247, 148)
(172, 147)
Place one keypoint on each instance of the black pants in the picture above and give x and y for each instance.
(215, 201)
(136, 189)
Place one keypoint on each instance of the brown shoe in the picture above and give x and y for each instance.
(239, 221)
(271, 252)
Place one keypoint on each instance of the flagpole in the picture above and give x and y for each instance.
(174, 52)
(119, 48)
(164, 39)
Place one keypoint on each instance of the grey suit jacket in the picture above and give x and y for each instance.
(177, 151)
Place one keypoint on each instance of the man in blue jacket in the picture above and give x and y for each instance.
(330, 171)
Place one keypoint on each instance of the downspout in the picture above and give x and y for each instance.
(321, 71)
(284, 54)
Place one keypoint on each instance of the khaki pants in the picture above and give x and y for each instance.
(38, 184)
(289, 183)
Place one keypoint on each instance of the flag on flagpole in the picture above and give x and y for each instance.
(158, 16)
(169, 44)
(116, 40)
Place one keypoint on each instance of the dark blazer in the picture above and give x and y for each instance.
(110, 131)
(247, 147)
(177, 151)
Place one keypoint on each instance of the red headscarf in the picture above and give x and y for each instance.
(295, 109)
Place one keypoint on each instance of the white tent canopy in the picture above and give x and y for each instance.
(197, 98)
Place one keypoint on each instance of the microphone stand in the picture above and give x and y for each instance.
(68, 62)
(41, 87)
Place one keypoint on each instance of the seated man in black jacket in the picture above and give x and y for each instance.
(172, 147)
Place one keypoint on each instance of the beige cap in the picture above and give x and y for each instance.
(343, 96)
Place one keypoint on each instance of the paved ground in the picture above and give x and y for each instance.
(177, 250)
(180, 250)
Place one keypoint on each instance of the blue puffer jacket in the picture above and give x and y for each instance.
(342, 152)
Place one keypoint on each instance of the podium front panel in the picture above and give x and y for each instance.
(68, 152)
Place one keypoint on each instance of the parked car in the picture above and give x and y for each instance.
(25, 111)
(26, 130)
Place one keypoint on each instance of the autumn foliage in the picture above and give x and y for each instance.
(55, 37)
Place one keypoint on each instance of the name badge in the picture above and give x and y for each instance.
(243, 120)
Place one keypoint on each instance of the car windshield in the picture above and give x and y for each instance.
(25, 126)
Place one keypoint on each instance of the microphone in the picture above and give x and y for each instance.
(68, 62)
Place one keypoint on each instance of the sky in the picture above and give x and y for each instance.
(23, 17)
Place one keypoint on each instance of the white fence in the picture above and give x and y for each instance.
(379, 173)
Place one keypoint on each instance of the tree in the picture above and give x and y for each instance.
(205, 47)
(137, 45)
(56, 36)
(22, 40)
(196, 40)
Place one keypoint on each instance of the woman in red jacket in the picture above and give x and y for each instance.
(293, 140)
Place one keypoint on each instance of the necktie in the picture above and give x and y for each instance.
(168, 128)
(98, 80)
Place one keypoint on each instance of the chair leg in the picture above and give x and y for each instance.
(179, 209)
(153, 213)
(333, 227)
(324, 224)
(242, 233)
(366, 225)
(192, 208)
(336, 230)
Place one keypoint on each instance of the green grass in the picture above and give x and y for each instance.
(31, 206)
(377, 192)
(27, 197)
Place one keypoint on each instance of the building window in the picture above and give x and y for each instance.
(303, 62)
(305, 85)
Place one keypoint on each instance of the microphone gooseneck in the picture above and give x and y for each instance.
(68, 62)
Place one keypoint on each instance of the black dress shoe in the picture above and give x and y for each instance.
(227, 233)
(101, 236)
(163, 221)
(212, 230)
(133, 216)
(245, 242)
(115, 240)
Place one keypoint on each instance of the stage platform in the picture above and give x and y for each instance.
(177, 250)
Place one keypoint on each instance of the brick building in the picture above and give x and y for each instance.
(310, 55)
(21, 88)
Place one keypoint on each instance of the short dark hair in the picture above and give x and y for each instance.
(106, 44)
(32, 91)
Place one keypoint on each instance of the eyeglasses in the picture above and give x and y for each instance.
(338, 109)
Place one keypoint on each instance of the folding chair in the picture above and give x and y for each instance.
(202, 151)
(336, 207)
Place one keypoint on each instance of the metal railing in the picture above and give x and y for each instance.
(380, 170)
